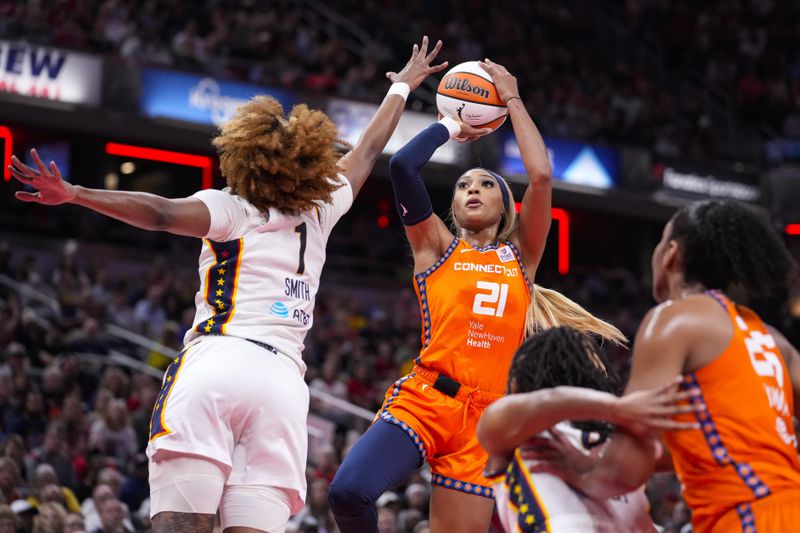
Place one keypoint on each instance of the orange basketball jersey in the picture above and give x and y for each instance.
(746, 448)
(473, 303)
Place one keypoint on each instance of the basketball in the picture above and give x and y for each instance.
(467, 93)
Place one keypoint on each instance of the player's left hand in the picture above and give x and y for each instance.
(419, 66)
(647, 411)
(52, 188)
(504, 81)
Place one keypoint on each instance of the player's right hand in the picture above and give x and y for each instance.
(419, 66)
(647, 411)
(468, 133)
(51, 187)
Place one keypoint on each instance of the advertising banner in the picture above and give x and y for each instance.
(573, 162)
(193, 98)
(699, 181)
(352, 117)
(50, 73)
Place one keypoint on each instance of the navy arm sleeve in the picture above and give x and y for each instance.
(410, 195)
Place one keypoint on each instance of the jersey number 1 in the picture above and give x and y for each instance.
(301, 263)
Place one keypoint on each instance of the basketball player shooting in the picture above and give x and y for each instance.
(228, 431)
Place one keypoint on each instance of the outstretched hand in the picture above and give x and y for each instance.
(648, 411)
(52, 189)
(419, 66)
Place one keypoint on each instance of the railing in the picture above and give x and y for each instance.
(150, 345)
(26, 290)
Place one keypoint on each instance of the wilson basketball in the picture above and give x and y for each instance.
(467, 93)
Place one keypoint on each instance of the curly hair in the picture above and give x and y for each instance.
(564, 356)
(288, 163)
(726, 243)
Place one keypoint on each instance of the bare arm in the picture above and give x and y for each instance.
(514, 419)
(534, 215)
(184, 216)
(357, 164)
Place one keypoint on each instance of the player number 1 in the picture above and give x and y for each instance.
(301, 264)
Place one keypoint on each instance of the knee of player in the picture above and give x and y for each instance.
(345, 498)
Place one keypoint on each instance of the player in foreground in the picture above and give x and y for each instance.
(740, 470)
(474, 290)
(228, 431)
(557, 375)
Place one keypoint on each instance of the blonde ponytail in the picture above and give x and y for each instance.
(549, 309)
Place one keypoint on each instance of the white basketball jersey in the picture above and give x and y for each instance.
(259, 274)
(538, 502)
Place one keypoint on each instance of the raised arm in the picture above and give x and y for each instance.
(358, 163)
(183, 216)
(427, 233)
(534, 215)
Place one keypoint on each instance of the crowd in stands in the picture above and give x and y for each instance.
(747, 52)
(73, 427)
(605, 72)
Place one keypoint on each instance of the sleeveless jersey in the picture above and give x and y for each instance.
(473, 303)
(746, 448)
(259, 274)
(539, 502)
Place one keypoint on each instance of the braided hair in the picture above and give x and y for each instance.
(725, 243)
(564, 356)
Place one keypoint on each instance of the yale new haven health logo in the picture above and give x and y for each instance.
(279, 310)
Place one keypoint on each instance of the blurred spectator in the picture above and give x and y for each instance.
(113, 518)
(46, 488)
(32, 422)
(74, 523)
(25, 514)
(53, 452)
(9, 523)
(10, 480)
(99, 514)
(50, 518)
(324, 463)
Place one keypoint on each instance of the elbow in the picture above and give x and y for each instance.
(399, 167)
(541, 176)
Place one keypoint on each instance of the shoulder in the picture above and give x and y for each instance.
(683, 316)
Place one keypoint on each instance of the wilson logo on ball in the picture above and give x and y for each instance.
(463, 84)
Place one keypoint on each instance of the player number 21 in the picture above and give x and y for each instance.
(491, 303)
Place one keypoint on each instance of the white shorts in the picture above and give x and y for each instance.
(238, 404)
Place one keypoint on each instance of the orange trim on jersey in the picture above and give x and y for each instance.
(235, 285)
(166, 390)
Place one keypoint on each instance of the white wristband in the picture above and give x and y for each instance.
(453, 127)
(400, 89)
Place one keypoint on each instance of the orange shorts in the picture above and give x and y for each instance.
(442, 427)
(778, 513)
